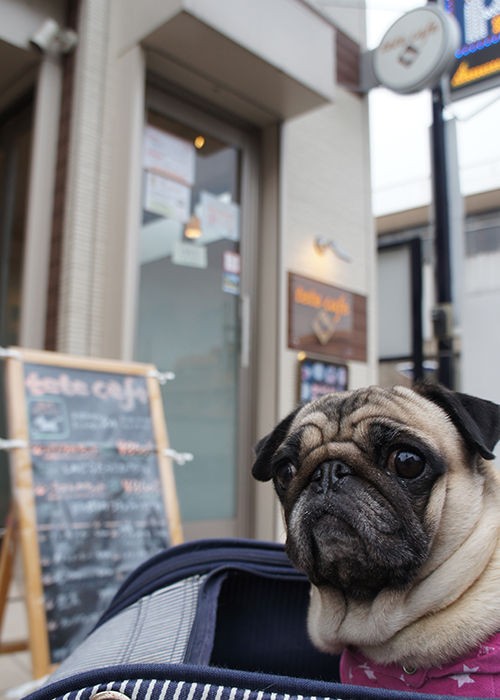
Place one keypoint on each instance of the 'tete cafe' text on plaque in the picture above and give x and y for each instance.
(326, 319)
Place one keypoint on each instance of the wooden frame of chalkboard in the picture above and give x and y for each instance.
(93, 489)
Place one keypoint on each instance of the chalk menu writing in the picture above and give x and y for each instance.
(98, 498)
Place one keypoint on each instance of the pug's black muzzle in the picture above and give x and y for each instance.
(349, 533)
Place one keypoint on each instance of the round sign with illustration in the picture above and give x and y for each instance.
(417, 50)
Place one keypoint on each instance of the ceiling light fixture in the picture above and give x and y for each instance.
(192, 230)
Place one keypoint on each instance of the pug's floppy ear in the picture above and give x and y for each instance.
(268, 445)
(478, 420)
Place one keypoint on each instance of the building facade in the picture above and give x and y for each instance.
(165, 170)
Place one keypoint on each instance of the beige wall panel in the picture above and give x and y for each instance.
(326, 192)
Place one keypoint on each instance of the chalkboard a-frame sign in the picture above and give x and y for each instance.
(93, 490)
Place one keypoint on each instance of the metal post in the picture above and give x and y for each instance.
(417, 338)
(442, 314)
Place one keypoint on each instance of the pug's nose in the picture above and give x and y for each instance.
(328, 475)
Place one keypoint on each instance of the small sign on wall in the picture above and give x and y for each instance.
(326, 319)
(318, 377)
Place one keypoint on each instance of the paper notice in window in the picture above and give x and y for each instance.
(168, 155)
(190, 255)
(219, 219)
(166, 197)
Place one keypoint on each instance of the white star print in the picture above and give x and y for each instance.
(464, 678)
(368, 671)
(483, 649)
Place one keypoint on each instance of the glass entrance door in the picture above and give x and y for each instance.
(188, 318)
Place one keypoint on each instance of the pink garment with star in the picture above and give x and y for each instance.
(476, 675)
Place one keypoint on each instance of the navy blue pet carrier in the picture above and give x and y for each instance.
(207, 620)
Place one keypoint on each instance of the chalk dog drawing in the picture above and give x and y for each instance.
(45, 424)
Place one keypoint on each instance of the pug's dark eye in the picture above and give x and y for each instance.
(406, 464)
(284, 474)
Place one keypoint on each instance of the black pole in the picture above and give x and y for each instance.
(442, 314)
(416, 296)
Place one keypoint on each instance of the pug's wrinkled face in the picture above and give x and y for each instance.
(356, 473)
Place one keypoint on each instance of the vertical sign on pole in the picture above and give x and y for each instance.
(478, 57)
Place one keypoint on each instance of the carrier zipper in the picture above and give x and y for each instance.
(155, 574)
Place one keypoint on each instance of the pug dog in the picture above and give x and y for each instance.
(392, 510)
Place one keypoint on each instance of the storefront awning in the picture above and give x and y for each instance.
(261, 60)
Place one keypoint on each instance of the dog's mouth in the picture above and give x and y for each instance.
(354, 538)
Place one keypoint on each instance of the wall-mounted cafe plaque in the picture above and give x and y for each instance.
(327, 319)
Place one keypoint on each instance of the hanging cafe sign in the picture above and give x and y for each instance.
(461, 39)
(417, 50)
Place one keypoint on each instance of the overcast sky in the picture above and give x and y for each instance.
(400, 132)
